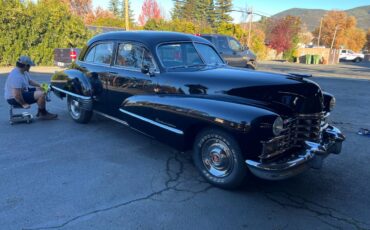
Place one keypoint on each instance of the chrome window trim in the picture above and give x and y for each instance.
(177, 131)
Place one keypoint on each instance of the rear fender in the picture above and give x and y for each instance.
(73, 83)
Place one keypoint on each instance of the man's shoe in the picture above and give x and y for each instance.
(47, 116)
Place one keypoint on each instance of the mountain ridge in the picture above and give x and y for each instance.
(311, 17)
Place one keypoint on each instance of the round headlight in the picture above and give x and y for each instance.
(332, 104)
(278, 126)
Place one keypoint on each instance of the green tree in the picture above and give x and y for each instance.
(211, 13)
(130, 13)
(178, 9)
(114, 7)
(223, 10)
(36, 29)
(201, 12)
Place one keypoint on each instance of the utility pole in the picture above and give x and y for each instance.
(335, 34)
(126, 16)
(250, 13)
(318, 40)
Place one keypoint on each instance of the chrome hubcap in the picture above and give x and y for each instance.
(75, 109)
(217, 158)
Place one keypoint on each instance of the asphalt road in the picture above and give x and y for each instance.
(63, 175)
(345, 69)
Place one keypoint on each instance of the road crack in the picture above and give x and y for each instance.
(287, 200)
(174, 171)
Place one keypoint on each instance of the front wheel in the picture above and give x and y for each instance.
(357, 60)
(77, 113)
(218, 158)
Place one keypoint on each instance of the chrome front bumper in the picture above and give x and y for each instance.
(311, 157)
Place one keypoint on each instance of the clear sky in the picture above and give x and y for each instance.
(266, 7)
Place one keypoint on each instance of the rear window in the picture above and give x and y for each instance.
(209, 38)
(100, 54)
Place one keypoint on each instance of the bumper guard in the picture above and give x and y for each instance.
(311, 157)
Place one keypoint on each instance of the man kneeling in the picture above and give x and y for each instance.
(19, 90)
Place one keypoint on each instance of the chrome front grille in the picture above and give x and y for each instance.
(297, 130)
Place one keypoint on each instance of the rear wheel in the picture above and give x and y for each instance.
(77, 113)
(357, 60)
(218, 158)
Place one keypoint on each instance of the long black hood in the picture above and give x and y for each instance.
(278, 92)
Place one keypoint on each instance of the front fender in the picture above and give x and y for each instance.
(183, 114)
(170, 109)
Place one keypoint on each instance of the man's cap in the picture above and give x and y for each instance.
(26, 60)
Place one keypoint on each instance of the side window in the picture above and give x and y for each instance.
(234, 45)
(133, 56)
(103, 53)
(343, 51)
(223, 44)
(129, 55)
(90, 56)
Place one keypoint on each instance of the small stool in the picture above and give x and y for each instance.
(19, 117)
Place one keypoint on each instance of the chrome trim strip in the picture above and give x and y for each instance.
(69, 93)
(177, 131)
(112, 118)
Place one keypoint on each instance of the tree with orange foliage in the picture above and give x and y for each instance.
(101, 17)
(283, 33)
(98, 13)
(347, 35)
(149, 10)
(81, 8)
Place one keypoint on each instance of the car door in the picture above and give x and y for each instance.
(96, 65)
(127, 80)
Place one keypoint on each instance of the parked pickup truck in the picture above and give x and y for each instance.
(177, 89)
(232, 51)
(349, 55)
(63, 57)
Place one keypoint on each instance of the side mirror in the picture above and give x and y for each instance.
(147, 70)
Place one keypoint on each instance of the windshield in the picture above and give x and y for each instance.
(186, 55)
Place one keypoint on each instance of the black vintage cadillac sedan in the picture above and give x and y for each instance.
(177, 89)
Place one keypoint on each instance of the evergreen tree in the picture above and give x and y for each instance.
(211, 13)
(178, 9)
(223, 9)
(130, 13)
(114, 7)
(200, 12)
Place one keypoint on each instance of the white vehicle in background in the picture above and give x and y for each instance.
(349, 55)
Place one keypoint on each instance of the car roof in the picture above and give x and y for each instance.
(149, 38)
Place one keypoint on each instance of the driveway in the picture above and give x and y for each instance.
(63, 175)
